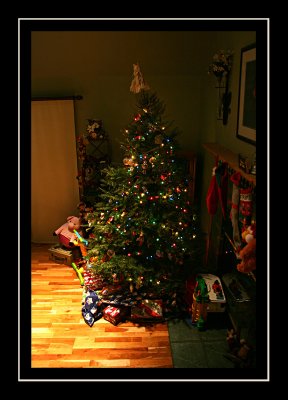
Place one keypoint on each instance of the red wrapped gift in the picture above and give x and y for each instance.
(138, 312)
(115, 314)
(111, 289)
(147, 309)
(92, 281)
(152, 307)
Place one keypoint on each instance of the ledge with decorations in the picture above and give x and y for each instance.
(231, 204)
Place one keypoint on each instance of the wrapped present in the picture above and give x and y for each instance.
(110, 289)
(115, 314)
(91, 310)
(152, 307)
(217, 299)
(138, 312)
(117, 300)
(92, 281)
(147, 309)
(61, 255)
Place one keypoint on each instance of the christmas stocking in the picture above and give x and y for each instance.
(218, 190)
(222, 181)
(234, 214)
(212, 195)
(245, 207)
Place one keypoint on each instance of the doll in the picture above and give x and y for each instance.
(66, 234)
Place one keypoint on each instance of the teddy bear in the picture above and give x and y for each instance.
(66, 234)
(249, 232)
(240, 353)
(248, 257)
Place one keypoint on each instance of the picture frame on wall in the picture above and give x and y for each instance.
(246, 119)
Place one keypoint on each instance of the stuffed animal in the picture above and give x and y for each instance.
(248, 257)
(240, 353)
(249, 233)
(66, 233)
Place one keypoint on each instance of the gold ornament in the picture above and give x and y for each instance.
(128, 161)
(158, 139)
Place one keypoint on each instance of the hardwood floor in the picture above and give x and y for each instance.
(60, 337)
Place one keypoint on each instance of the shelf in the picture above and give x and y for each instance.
(231, 158)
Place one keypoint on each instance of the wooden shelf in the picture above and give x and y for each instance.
(230, 157)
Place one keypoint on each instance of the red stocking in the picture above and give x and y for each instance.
(222, 180)
(234, 214)
(218, 190)
(212, 194)
(245, 207)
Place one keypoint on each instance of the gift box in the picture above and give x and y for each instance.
(91, 310)
(152, 307)
(117, 300)
(110, 289)
(115, 314)
(60, 256)
(147, 309)
(92, 281)
(217, 299)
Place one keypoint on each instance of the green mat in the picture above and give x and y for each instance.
(192, 348)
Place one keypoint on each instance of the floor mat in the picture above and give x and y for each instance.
(193, 348)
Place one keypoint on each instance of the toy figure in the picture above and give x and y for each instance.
(138, 82)
(200, 300)
(248, 257)
(66, 234)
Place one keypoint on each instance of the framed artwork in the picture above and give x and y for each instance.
(246, 120)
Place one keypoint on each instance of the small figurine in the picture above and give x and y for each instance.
(66, 234)
(138, 82)
(240, 353)
(248, 257)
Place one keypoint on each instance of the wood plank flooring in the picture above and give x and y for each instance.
(61, 339)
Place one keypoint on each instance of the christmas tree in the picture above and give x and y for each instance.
(143, 233)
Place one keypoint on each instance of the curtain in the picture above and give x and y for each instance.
(55, 191)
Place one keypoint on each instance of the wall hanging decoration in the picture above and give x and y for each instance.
(93, 152)
(220, 68)
(246, 121)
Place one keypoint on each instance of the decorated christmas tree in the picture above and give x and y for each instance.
(144, 234)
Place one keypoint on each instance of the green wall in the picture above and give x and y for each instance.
(213, 130)
(98, 65)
